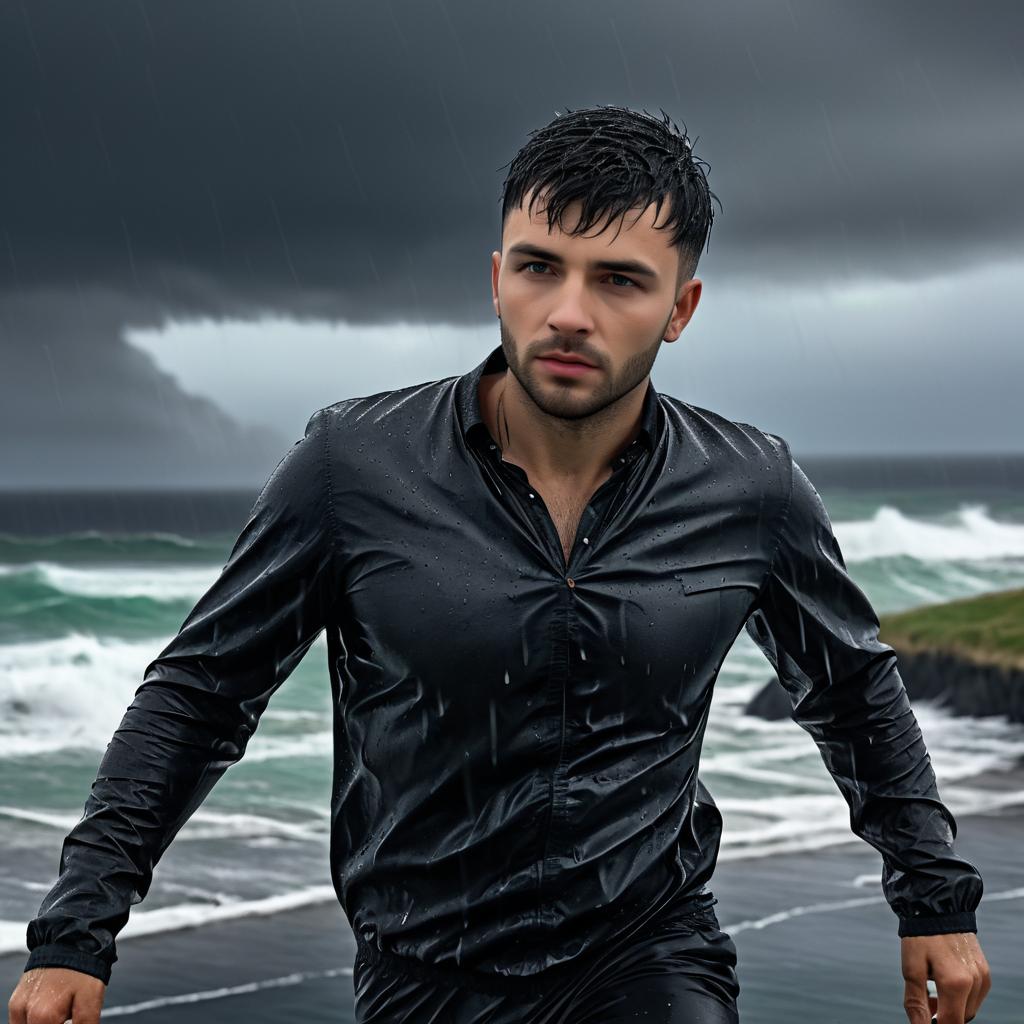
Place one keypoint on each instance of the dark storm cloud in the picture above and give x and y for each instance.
(345, 161)
(345, 158)
(83, 409)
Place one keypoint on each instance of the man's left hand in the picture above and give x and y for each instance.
(959, 969)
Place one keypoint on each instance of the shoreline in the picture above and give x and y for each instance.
(811, 929)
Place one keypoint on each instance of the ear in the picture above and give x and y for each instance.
(495, 270)
(685, 307)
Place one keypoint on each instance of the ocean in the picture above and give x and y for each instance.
(92, 585)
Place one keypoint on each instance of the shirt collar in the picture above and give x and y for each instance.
(474, 429)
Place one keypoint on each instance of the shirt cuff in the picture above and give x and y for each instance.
(73, 959)
(938, 924)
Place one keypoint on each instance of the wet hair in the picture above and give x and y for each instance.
(613, 159)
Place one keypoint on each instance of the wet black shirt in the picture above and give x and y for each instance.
(516, 738)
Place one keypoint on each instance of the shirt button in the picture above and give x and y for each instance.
(531, 494)
(570, 582)
(493, 446)
(586, 540)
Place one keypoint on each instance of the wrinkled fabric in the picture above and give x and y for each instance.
(516, 736)
(673, 966)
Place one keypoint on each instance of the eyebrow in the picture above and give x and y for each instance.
(622, 266)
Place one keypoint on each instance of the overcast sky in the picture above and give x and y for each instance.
(218, 217)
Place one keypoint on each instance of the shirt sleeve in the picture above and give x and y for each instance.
(820, 633)
(200, 700)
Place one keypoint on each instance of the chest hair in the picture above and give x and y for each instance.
(566, 508)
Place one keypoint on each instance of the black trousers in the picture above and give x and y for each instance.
(676, 968)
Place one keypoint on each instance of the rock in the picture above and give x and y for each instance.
(961, 685)
(965, 687)
(770, 702)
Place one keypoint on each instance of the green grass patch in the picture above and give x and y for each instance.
(988, 628)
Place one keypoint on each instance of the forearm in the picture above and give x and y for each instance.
(162, 761)
(871, 742)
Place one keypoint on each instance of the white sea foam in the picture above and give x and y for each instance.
(294, 715)
(974, 535)
(69, 692)
(275, 748)
(769, 818)
(189, 915)
(805, 823)
(296, 978)
(866, 881)
(205, 823)
(828, 906)
(73, 691)
(918, 591)
(160, 583)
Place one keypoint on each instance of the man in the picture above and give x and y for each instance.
(529, 576)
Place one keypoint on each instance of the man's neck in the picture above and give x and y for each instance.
(561, 462)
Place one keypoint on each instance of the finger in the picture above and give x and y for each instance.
(915, 990)
(16, 1010)
(87, 1005)
(984, 985)
(24, 995)
(953, 991)
(971, 1004)
(915, 999)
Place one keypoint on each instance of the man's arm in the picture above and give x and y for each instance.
(820, 633)
(199, 702)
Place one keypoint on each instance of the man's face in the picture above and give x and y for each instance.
(615, 318)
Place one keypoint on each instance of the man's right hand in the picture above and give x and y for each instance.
(55, 995)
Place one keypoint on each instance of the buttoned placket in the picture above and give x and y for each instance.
(598, 513)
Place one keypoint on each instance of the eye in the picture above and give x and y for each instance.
(540, 263)
(628, 280)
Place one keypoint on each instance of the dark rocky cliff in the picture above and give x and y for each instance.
(968, 655)
(964, 687)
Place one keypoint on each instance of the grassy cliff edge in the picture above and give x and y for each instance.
(987, 629)
(966, 654)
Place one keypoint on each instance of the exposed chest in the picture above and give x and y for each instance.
(566, 506)
(566, 511)
(565, 502)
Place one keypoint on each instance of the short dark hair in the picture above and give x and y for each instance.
(615, 159)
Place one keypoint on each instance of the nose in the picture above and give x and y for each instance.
(569, 314)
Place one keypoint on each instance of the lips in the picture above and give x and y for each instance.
(571, 360)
